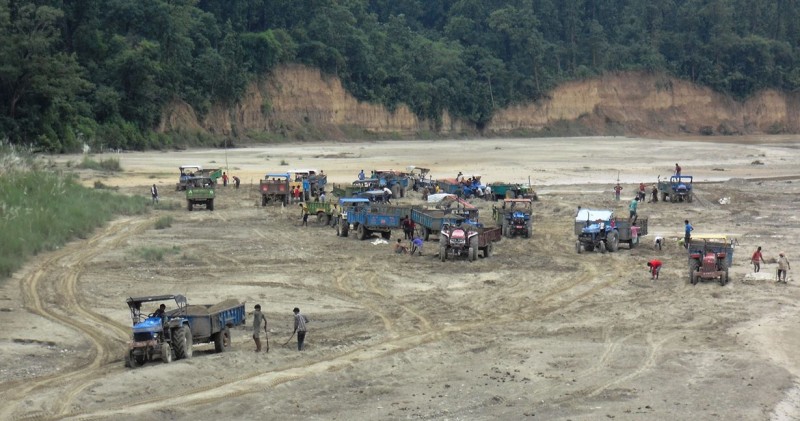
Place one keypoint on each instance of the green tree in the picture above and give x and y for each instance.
(40, 84)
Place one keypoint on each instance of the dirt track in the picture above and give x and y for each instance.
(535, 331)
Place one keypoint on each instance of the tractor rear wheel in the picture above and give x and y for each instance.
(613, 241)
(182, 339)
(471, 254)
(488, 250)
(578, 247)
(694, 277)
(724, 278)
(166, 353)
(361, 232)
(443, 252)
(210, 204)
(263, 200)
(219, 341)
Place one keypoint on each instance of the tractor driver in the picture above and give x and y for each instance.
(160, 312)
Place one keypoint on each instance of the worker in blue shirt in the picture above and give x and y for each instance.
(687, 236)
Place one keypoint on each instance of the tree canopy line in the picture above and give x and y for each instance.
(101, 71)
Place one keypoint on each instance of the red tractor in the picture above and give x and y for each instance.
(467, 240)
(709, 259)
(456, 240)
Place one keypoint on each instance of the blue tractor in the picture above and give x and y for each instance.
(515, 217)
(167, 334)
(158, 335)
(677, 189)
(596, 230)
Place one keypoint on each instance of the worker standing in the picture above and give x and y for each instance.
(757, 259)
(617, 190)
(783, 267)
(300, 321)
(677, 170)
(687, 233)
(304, 213)
(258, 318)
(632, 209)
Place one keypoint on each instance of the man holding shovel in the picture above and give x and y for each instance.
(300, 321)
(259, 317)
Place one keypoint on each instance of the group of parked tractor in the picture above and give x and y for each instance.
(709, 256)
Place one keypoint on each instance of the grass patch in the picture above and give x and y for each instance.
(42, 210)
(163, 222)
(156, 254)
(168, 205)
(110, 164)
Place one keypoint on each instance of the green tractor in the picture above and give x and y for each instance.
(200, 191)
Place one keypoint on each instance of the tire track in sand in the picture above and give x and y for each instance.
(258, 381)
(66, 308)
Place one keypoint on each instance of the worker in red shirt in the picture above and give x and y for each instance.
(757, 259)
(655, 268)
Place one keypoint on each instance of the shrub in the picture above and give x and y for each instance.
(110, 164)
(163, 222)
(156, 254)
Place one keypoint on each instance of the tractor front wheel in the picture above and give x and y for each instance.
(135, 360)
(602, 247)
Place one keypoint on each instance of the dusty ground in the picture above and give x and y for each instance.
(533, 332)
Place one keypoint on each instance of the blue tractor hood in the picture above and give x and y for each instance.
(592, 229)
(518, 215)
(150, 324)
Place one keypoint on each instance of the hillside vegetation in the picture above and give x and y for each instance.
(101, 71)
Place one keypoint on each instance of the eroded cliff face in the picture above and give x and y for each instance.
(637, 103)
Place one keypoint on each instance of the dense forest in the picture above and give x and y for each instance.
(100, 71)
